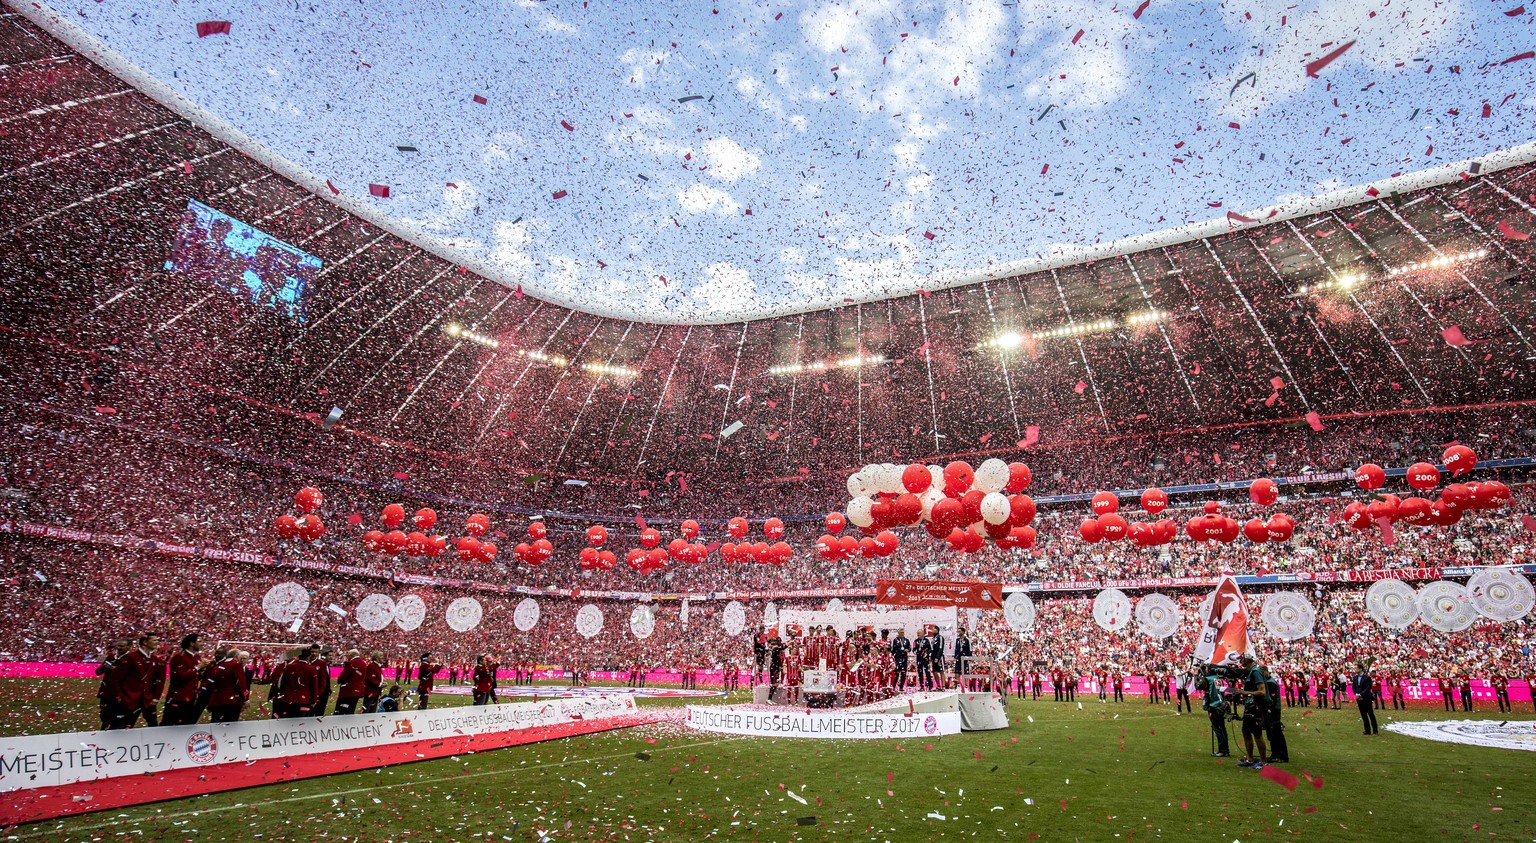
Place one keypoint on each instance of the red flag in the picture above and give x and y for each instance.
(1224, 629)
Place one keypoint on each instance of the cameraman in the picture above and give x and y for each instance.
(1274, 725)
(1255, 712)
(1216, 708)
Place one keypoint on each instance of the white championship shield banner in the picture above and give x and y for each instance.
(1505, 734)
(799, 723)
(45, 776)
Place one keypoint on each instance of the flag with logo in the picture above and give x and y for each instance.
(1223, 625)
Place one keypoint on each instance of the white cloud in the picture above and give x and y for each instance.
(728, 160)
(703, 199)
(728, 288)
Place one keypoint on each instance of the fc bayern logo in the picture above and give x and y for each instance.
(930, 724)
(202, 747)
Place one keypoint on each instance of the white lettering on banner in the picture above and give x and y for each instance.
(35, 761)
(830, 724)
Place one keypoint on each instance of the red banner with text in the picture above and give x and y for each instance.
(939, 594)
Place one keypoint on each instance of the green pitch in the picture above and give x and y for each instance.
(1105, 772)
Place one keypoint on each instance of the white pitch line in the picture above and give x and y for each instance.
(243, 806)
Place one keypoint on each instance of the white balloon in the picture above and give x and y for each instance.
(856, 485)
(937, 473)
(930, 496)
(891, 479)
(858, 512)
(991, 476)
(994, 508)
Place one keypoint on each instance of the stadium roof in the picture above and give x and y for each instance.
(710, 166)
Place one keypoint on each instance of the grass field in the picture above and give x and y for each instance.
(1105, 772)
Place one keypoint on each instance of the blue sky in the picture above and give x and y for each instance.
(851, 131)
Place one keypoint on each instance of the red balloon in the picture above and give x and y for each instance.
(415, 543)
(1168, 530)
(997, 531)
(477, 524)
(848, 546)
(1113, 527)
(649, 538)
(596, 535)
(958, 477)
(970, 505)
(1457, 495)
(1019, 477)
(1263, 492)
(523, 551)
(1022, 537)
(1229, 530)
(543, 548)
(607, 559)
(947, 514)
(887, 541)
(868, 548)
(1090, 531)
(1154, 501)
(393, 541)
(1443, 514)
(916, 478)
(394, 515)
(1256, 531)
(536, 530)
(1370, 476)
(372, 541)
(488, 552)
(956, 539)
(1415, 511)
(689, 528)
(836, 521)
(677, 548)
(883, 513)
(1021, 511)
(587, 558)
(1140, 534)
(1280, 527)
(425, 518)
(1491, 494)
(1423, 476)
(780, 552)
(436, 545)
(907, 508)
(737, 528)
(1385, 507)
(773, 528)
(1355, 515)
(1212, 508)
(286, 526)
(1104, 503)
(310, 527)
(308, 499)
(1195, 528)
(1459, 460)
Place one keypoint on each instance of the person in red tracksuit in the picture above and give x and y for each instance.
(424, 675)
(154, 688)
(351, 684)
(128, 683)
(482, 681)
(227, 687)
(274, 683)
(181, 699)
(104, 670)
(322, 663)
(373, 682)
(299, 686)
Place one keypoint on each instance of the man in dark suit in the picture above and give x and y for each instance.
(1365, 696)
(922, 651)
(962, 655)
(901, 650)
(936, 657)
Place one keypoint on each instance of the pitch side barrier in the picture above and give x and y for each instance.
(48, 776)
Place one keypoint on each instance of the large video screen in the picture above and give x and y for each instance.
(219, 249)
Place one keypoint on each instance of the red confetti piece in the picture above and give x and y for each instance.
(333, 187)
(1139, 9)
(186, 167)
(212, 27)
(354, 519)
(1031, 436)
(1487, 110)
(1314, 66)
(379, 190)
(1453, 337)
(957, 79)
(1279, 777)
(1234, 126)
(1077, 37)
(1309, 810)
(567, 126)
(1528, 54)
(479, 100)
(1511, 232)
(1515, 12)
(1184, 804)
(1314, 420)
(1277, 382)
(106, 411)
(1043, 169)
(1080, 387)
(928, 234)
(559, 194)
(400, 475)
